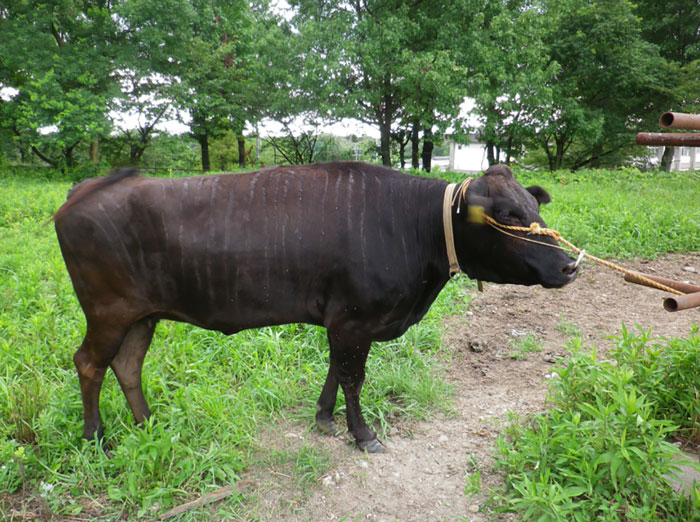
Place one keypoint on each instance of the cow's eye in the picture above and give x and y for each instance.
(508, 216)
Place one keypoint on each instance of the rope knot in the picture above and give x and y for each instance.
(535, 228)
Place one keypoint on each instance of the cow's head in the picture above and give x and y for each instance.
(487, 254)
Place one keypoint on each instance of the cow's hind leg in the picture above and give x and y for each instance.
(326, 402)
(128, 363)
(91, 360)
(350, 355)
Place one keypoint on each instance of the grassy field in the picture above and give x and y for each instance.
(211, 394)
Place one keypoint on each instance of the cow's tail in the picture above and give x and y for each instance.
(83, 190)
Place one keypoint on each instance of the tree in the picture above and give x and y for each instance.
(437, 72)
(512, 77)
(148, 67)
(57, 58)
(593, 81)
(212, 71)
(381, 61)
(674, 26)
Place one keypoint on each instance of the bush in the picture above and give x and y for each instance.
(601, 451)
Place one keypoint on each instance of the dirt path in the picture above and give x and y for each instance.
(423, 475)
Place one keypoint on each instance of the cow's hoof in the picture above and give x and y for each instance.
(327, 426)
(371, 446)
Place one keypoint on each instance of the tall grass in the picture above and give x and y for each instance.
(211, 395)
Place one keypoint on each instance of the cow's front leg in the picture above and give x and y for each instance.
(349, 356)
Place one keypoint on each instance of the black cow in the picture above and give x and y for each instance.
(356, 248)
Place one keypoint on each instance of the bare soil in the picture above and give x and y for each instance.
(422, 477)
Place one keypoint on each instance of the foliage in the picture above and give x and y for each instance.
(381, 61)
(567, 81)
(149, 58)
(673, 27)
(56, 57)
(581, 82)
(513, 77)
(600, 451)
(665, 370)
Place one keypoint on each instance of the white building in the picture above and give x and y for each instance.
(683, 158)
(464, 158)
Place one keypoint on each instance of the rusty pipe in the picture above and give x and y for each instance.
(682, 302)
(680, 120)
(668, 139)
(676, 285)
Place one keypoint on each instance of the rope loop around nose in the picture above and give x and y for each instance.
(536, 229)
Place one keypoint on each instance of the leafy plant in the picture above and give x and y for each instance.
(601, 451)
(473, 479)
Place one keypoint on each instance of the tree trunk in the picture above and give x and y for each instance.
(69, 159)
(490, 153)
(427, 153)
(203, 140)
(401, 139)
(509, 149)
(667, 159)
(559, 155)
(241, 150)
(136, 153)
(94, 151)
(385, 141)
(415, 143)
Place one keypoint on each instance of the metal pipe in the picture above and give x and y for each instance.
(668, 139)
(680, 120)
(682, 302)
(676, 285)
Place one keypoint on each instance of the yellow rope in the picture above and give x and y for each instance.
(537, 229)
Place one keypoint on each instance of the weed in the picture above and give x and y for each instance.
(601, 451)
(524, 345)
(568, 328)
(473, 478)
(310, 464)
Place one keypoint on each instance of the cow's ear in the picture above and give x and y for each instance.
(541, 195)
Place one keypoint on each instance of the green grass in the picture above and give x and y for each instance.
(211, 395)
(522, 346)
(568, 328)
(625, 213)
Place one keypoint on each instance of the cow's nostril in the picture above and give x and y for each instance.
(571, 268)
